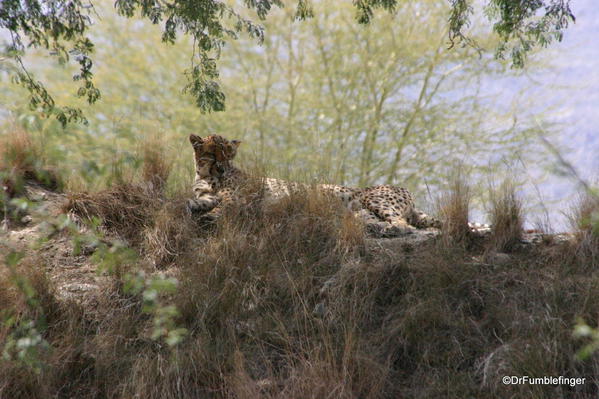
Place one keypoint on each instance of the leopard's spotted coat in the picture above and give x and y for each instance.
(217, 183)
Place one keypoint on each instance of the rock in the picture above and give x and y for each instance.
(479, 228)
(319, 309)
(403, 243)
(26, 219)
(498, 258)
(327, 286)
(80, 287)
(89, 249)
(265, 384)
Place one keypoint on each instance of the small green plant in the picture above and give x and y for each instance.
(585, 221)
(583, 330)
(152, 290)
(25, 342)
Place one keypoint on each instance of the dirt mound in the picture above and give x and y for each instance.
(71, 272)
(128, 209)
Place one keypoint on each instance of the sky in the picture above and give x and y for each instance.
(572, 86)
(578, 67)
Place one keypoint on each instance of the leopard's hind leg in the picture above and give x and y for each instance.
(421, 220)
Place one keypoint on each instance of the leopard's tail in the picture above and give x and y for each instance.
(421, 220)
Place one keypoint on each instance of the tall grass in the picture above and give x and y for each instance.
(584, 222)
(454, 208)
(22, 160)
(507, 217)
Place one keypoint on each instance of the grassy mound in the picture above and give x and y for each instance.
(287, 302)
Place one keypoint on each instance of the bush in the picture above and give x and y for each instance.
(454, 209)
(507, 219)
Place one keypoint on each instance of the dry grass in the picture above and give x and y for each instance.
(156, 167)
(31, 271)
(583, 217)
(125, 210)
(506, 216)
(22, 160)
(584, 222)
(88, 351)
(431, 323)
(454, 209)
(172, 234)
(137, 211)
(39, 306)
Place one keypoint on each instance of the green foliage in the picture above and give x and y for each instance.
(304, 10)
(586, 222)
(152, 288)
(583, 330)
(385, 102)
(524, 24)
(362, 105)
(366, 8)
(114, 257)
(521, 25)
(62, 29)
(50, 25)
(25, 342)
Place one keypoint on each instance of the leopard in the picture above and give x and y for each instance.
(387, 208)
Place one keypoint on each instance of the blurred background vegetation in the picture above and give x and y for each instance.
(324, 98)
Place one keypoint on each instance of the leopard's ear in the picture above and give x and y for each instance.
(196, 141)
(235, 143)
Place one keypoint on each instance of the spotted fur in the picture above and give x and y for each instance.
(217, 182)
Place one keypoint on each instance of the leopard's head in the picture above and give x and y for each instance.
(212, 154)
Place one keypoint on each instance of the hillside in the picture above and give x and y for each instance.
(291, 301)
